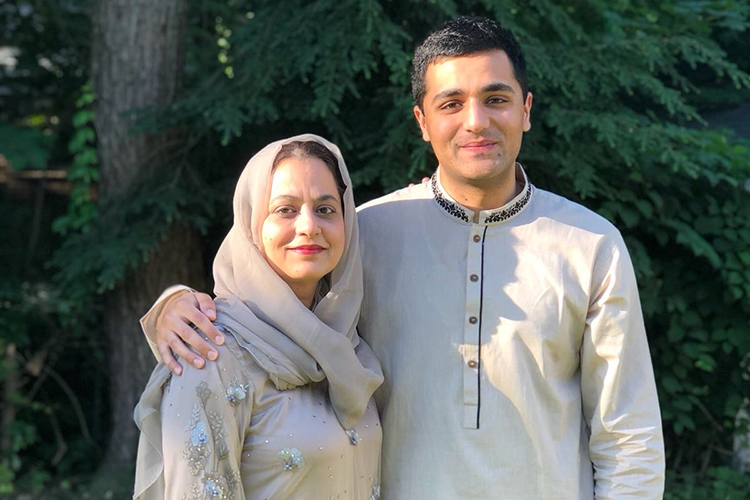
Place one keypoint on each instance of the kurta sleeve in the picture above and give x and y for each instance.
(148, 321)
(205, 414)
(617, 382)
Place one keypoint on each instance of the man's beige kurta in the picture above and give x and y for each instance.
(514, 353)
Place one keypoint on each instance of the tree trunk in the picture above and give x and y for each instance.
(137, 62)
(741, 460)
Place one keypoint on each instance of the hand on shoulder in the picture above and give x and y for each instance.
(174, 330)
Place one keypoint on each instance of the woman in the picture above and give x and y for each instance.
(286, 412)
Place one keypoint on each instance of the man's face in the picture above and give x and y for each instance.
(474, 116)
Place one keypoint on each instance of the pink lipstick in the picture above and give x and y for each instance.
(308, 249)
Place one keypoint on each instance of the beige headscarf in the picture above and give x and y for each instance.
(293, 344)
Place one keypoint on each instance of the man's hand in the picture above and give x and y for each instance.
(424, 181)
(173, 330)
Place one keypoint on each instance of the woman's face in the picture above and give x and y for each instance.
(303, 235)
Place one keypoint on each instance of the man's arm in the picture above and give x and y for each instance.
(168, 327)
(617, 384)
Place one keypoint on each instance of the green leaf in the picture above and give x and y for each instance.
(24, 148)
(83, 117)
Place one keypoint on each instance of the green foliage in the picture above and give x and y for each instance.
(616, 124)
(127, 229)
(51, 60)
(620, 88)
(39, 327)
(83, 172)
(24, 147)
(720, 483)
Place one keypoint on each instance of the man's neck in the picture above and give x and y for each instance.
(482, 196)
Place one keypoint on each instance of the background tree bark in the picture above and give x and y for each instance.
(137, 62)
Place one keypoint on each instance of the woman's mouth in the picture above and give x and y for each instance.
(307, 249)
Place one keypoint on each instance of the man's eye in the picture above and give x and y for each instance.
(449, 105)
(496, 100)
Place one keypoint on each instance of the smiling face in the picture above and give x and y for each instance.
(303, 235)
(474, 115)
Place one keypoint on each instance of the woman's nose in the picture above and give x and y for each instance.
(307, 223)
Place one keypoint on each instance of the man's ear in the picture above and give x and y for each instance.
(527, 112)
(419, 115)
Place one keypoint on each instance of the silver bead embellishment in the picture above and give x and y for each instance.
(215, 487)
(292, 458)
(236, 393)
(353, 436)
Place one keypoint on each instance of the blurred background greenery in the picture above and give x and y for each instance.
(125, 123)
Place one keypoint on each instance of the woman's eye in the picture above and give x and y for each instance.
(284, 210)
(326, 210)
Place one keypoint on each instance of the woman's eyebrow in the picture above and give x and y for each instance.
(290, 197)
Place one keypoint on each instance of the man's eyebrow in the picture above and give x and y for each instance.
(446, 94)
(498, 87)
(492, 87)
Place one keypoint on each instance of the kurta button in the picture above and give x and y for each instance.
(473, 320)
(472, 363)
(474, 277)
(477, 238)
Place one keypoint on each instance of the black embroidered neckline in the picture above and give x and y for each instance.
(495, 216)
(454, 209)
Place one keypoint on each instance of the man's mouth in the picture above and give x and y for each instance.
(478, 146)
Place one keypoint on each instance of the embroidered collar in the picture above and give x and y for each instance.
(494, 216)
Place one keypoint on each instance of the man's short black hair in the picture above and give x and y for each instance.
(464, 36)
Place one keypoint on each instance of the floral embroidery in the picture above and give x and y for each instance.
(203, 393)
(375, 494)
(500, 215)
(292, 458)
(212, 485)
(216, 422)
(215, 486)
(195, 493)
(236, 393)
(450, 207)
(219, 487)
(194, 417)
(198, 435)
(515, 209)
(196, 452)
(353, 436)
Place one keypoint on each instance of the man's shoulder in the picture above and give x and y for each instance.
(391, 201)
(563, 211)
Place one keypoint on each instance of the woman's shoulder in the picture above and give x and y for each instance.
(232, 356)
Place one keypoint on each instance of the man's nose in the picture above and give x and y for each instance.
(475, 116)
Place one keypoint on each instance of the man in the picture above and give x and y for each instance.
(506, 318)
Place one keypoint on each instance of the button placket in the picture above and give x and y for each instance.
(470, 348)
